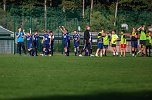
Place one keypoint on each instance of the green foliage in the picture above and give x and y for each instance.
(100, 20)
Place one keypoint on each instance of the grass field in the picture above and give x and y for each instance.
(75, 78)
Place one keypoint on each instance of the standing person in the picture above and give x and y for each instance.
(68, 38)
(65, 40)
(86, 41)
(123, 42)
(114, 39)
(106, 39)
(148, 44)
(76, 39)
(100, 44)
(20, 40)
(46, 43)
(142, 37)
(35, 39)
(51, 42)
(134, 42)
(29, 44)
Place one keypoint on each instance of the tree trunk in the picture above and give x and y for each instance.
(45, 14)
(91, 8)
(83, 9)
(50, 3)
(4, 5)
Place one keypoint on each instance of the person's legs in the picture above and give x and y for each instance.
(19, 47)
(75, 51)
(52, 48)
(149, 50)
(97, 52)
(146, 51)
(78, 50)
(23, 47)
(121, 49)
(90, 48)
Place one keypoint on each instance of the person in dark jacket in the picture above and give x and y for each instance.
(86, 41)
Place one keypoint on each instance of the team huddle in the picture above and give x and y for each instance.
(104, 39)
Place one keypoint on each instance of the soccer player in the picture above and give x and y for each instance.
(114, 38)
(106, 39)
(134, 42)
(142, 37)
(76, 39)
(68, 38)
(100, 44)
(65, 40)
(46, 43)
(86, 41)
(20, 40)
(123, 42)
(29, 43)
(51, 42)
(35, 39)
(148, 44)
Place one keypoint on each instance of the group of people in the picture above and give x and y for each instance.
(32, 43)
(104, 39)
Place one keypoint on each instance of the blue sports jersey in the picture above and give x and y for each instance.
(35, 38)
(20, 38)
(46, 38)
(76, 37)
(29, 41)
(65, 37)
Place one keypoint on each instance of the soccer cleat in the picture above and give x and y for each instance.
(50, 55)
(101, 55)
(96, 55)
(91, 55)
(117, 53)
(80, 55)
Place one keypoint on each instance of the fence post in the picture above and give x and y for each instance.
(14, 20)
(31, 24)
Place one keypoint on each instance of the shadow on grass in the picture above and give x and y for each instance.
(142, 95)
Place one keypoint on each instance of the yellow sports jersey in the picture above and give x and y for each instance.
(134, 33)
(114, 39)
(123, 39)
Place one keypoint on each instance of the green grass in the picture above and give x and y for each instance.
(75, 78)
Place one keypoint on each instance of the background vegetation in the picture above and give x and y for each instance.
(30, 14)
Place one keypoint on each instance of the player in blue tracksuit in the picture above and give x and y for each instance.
(68, 40)
(46, 43)
(35, 39)
(65, 40)
(29, 43)
(76, 39)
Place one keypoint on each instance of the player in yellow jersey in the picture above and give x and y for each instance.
(123, 42)
(106, 39)
(142, 37)
(114, 39)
